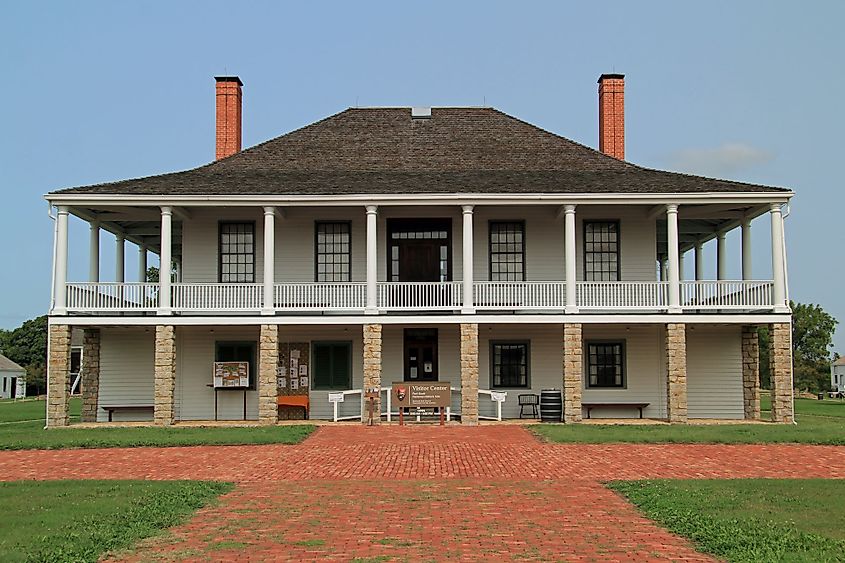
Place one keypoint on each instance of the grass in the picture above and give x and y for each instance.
(30, 434)
(82, 520)
(749, 519)
(819, 422)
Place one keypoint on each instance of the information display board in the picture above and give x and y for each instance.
(424, 395)
(231, 375)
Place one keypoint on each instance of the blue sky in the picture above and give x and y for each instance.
(99, 91)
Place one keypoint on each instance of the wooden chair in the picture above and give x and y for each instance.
(294, 401)
(528, 400)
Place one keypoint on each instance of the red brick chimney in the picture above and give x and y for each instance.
(228, 115)
(612, 115)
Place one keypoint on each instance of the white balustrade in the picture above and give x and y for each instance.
(622, 295)
(722, 294)
(421, 296)
(547, 295)
(320, 296)
(106, 296)
(417, 296)
(211, 297)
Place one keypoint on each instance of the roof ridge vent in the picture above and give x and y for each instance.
(421, 112)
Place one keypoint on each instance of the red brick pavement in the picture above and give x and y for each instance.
(423, 492)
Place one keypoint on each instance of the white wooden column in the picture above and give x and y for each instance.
(60, 273)
(164, 304)
(681, 275)
(721, 256)
(269, 259)
(746, 248)
(142, 263)
(119, 259)
(778, 265)
(94, 253)
(673, 258)
(372, 257)
(468, 302)
(569, 258)
(699, 261)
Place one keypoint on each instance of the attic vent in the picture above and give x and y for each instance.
(421, 113)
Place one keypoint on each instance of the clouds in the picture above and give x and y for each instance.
(722, 161)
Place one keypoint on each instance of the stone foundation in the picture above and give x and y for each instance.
(751, 372)
(372, 371)
(676, 370)
(268, 362)
(58, 376)
(780, 368)
(573, 349)
(165, 374)
(469, 373)
(90, 374)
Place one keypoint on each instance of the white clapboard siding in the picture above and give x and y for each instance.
(318, 398)
(714, 372)
(644, 371)
(126, 371)
(294, 241)
(195, 348)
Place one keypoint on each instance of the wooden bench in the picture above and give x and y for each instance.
(591, 406)
(111, 408)
(294, 401)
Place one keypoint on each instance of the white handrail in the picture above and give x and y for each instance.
(623, 295)
(393, 296)
(217, 296)
(727, 294)
(335, 417)
(112, 296)
(338, 296)
(525, 295)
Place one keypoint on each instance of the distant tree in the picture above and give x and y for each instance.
(812, 340)
(27, 346)
(153, 274)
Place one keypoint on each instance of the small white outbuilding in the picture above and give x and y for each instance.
(12, 379)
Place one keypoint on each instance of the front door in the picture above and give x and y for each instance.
(421, 354)
(14, 390)
(419, 250)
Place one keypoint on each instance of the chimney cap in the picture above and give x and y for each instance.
(229, 79)
(610, 76)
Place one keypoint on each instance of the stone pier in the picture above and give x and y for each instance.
(469, 373)
(268, 363)
(573, 350)
(780, 368)
(676, 370)
(58, 376)
(165, 374)
(372, 370)
(90, 374)
(751, 372)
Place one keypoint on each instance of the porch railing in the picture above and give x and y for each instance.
(217, 296)
(439, 296)
(721, 294)
(320, 296)
(415, 297)
(622, 295)
(529, 295)
(112, 296)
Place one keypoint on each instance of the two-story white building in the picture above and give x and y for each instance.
(453, 244)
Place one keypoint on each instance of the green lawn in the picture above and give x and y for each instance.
(30, 434)
(81, 520)
(819, 422)
(749, 519)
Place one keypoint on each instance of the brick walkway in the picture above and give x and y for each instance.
(424, 493)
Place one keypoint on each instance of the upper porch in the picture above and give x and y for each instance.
(445, 257)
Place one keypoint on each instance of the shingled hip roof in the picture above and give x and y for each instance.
(386, 151)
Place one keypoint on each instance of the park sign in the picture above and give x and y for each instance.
(424, 395)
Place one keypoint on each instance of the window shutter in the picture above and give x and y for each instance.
(322, 365)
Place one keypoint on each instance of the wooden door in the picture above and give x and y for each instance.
(421, 361)
(420, 262)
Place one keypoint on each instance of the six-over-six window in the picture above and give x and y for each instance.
(606, 364)
(333, 252)
(237, 252)
(601, 251)
(507, 251)
(509, 365)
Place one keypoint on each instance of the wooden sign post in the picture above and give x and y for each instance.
(429, 394)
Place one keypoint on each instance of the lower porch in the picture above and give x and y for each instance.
(164, 374)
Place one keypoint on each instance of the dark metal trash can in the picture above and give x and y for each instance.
(551, 405)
